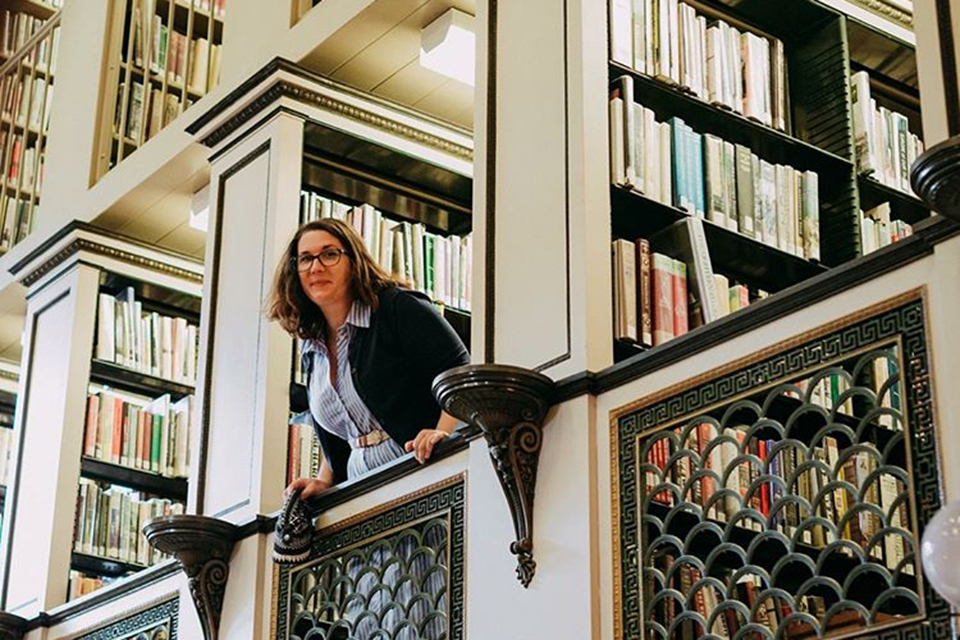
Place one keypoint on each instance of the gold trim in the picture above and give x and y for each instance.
(123, 615)
(616, 413)
(83, 244)
(887, 10)
(287, 89)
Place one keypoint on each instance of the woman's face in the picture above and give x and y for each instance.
(324, 285)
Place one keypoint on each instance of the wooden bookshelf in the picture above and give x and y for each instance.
(114, 375)
(26, 93)
(146, 481)
(904, 206)
(100, 478)
(96, 565)
(733, 254)
(35, 8)
(165, 63)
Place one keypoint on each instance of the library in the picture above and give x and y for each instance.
(452, 319)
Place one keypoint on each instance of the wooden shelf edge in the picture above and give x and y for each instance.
(146, 481)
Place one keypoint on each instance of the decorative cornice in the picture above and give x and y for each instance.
(89, 246)
(936, 177)
(509, 405)
(202, 546)
(287, 89)
(888, 11)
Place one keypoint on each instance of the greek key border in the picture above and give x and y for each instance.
(165, 612)
(449, 497)
(905, 321)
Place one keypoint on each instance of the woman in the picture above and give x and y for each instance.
(371, 349)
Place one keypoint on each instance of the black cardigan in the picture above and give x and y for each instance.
(393, 363)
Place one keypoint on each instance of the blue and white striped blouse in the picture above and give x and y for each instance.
(339, 408)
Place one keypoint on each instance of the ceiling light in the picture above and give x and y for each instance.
(448, 46)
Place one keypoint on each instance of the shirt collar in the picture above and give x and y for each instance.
(358, 316)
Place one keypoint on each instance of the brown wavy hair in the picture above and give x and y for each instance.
(289, 305)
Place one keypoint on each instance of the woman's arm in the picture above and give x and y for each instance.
(423, 444)
(312, 486)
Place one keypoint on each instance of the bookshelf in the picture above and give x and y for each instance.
(134, 462)
(807, 121)
(26, 95)
(790, 509)
(427, 213)
(164, 56)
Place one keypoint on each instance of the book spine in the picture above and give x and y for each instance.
(645, 287)
(680, 321)
(663, 299)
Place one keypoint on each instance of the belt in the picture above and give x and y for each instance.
(369, 439)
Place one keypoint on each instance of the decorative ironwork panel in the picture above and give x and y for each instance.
(396, 574)
(156, 623)
(783, 498)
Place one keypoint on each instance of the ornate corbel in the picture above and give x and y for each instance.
(509, 405)
(12, 627)
(936, 177)
(202, 546)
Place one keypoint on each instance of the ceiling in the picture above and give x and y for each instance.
(379, 50)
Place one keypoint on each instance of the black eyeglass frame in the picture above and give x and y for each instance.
(295, 261)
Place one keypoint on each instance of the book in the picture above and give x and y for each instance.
(686, 240)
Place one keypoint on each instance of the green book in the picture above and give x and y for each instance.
(428, 242)
(155, 440)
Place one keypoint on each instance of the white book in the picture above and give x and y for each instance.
(638, 178)
(716, 212)
(454, 242)
(386, 245)
(650, 155)
(618, 169)
(418, 275)
(621, 31)
(701, 62)
(626, 290)
(664, 47)
(105, 323)
(649, 36)
(714, 66)
(666, 164)
(408, 252)
(639, 32)
(200, 64)
(768, 202)
(467, 283)
(674, 17)
(439, 269)
(811, 215)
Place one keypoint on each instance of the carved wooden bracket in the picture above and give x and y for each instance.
(509, 405)
(12, 627)
(936, 177)
(202, 545)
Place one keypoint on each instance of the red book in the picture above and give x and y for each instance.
(662, 299)
(93, 419)
(765, 487)
(117, 441)
(680, 325)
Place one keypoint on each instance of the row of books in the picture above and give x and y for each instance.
(878, 230)
(80, 584)
(669, 41)
(651, 295)
(181, 58)
(17, 219)
(881, 490)
(133, 432)
(712, 178)
(147, 342)
(153, 110)
(109, 522)
(885, 147)
(219, 7)
(23, 166)
(771, 613)
(439, 266)
(31, 101)
(16, 28)
(303, 450)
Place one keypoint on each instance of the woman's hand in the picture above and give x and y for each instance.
(422, 445)
(310, 487)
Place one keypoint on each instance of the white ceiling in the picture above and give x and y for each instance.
(379, 50)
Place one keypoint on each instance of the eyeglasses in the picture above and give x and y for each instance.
(329, 257)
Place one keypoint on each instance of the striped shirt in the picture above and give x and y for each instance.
(338, 408)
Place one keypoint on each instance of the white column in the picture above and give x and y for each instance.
(934, 38)
(541, 179)
(243, 388)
